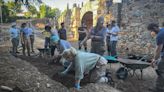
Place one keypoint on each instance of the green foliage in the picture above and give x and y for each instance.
(27, 14)
(14, 9)
(32, 10)
(5, 13)
(1, 2)
(48, 12)
(42, 11)
(9, 11)
(51, 13)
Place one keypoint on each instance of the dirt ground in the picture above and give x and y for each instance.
(131, 84)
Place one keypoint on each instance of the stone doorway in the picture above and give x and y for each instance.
(88, 19)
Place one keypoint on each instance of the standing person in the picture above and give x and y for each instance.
(25, 38)
(97, 36)
(48, 33)
(62, 32)
(32, 37)
(84, 63)
(108, 38)
(14, 33)
(114, 38)
(82, 34)
(159, 54)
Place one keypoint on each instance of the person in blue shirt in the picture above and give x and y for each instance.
(32, 37)
(85, 63)
(14, 33)
(159, 54)
(113, 38)
(62, 32)
(61, 45)
(25, 38)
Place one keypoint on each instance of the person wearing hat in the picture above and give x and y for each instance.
(97, 36)
(14, 34)
(84, 63)
(60, 44)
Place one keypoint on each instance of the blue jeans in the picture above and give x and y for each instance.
(47, 42)
(113, 48)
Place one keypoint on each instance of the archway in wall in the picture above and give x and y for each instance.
(87, 19)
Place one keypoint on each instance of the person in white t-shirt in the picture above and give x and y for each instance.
(113, 38)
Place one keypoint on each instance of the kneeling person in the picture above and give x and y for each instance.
(83, 63)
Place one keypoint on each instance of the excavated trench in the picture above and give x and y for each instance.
(52, 71)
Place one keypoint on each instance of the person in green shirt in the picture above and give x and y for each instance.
(85, 63)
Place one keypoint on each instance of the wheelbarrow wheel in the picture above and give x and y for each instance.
(122, 73)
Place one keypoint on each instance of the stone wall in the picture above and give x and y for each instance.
(136, 15)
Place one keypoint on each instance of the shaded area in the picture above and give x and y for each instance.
(53, 70)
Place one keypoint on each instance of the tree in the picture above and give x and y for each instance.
(51, 13)
(27, 14)
(27, 2)
(42, 11)
(13, 8)
(4, 11)
(32, 9)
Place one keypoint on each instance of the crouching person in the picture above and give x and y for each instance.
(84, 63)
(61, 45)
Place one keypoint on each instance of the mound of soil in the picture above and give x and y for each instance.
(17, 73)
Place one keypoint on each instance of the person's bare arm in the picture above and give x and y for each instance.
(114, 33)
(157, 53)
(85, 39)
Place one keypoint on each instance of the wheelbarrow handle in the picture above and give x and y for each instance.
(143, 57)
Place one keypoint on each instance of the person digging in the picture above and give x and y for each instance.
(86, 63)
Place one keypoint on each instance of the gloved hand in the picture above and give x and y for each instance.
(63, 73)
(77, 86)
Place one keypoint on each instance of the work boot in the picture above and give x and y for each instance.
(79, 47)
(110, 79)
(85, 49)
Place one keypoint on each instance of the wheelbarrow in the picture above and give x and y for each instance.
(131, 65)
(44, 52)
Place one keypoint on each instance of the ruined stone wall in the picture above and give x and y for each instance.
(136, 15)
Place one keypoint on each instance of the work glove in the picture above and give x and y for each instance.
(63, 73)
(77, 86)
